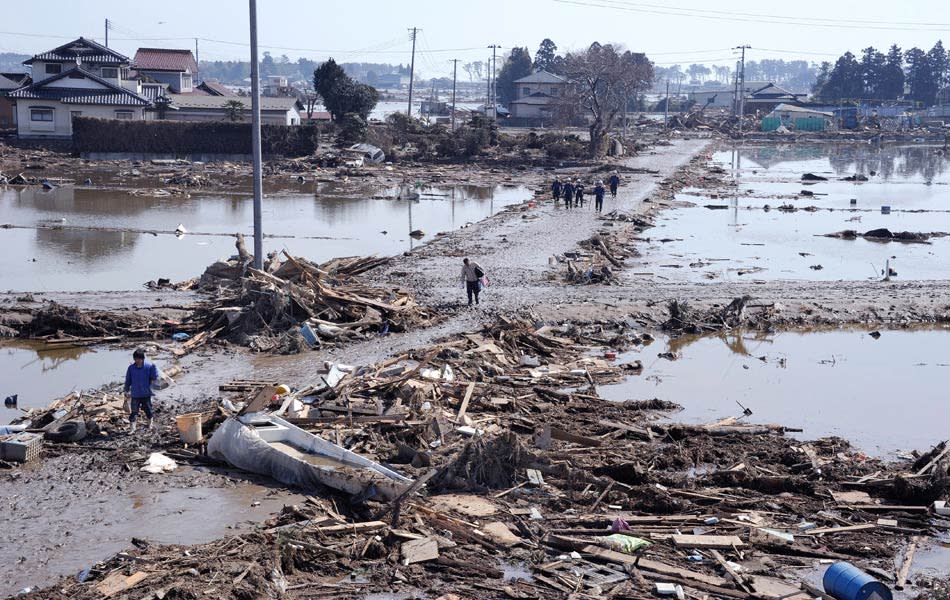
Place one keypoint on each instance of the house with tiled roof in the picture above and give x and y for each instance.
(174, 67)
(8, 83)
(81, 78)
(536, 94)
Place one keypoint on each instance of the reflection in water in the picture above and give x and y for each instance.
(330, 222)
(883, 394)
(39, 375)
(911, 161)
(85, 246)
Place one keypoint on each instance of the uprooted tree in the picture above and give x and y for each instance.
(604, 77)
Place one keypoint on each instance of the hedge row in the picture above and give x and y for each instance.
(181, 137)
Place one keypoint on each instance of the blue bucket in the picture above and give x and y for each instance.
(845, 581)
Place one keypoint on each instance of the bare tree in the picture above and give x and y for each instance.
(604, 78)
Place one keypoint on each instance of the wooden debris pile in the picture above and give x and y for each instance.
(295, 304)
(519, 462)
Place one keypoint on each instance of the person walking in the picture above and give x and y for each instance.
(579, 195)
(568, 193)
(614, 182)
(472, 274)
(556, 189)
(599, 192)
(138, 387)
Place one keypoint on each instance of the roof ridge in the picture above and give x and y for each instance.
(117, 88)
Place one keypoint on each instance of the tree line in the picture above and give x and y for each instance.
(913, 75)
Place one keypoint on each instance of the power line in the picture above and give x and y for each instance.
(801, 23)
(770, 17)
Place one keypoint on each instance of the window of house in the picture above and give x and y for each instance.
(53, 69)
(185, 80)
(554, 90)
(525, 91)
(125, 115)
(110, 73)
(41, 114)
(124, 72)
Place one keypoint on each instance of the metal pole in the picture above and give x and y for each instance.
(412, 70)
(256, 139)
(742, 87)
(455, 66)
(107, 33)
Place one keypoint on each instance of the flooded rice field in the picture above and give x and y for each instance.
(765, 228)
(93, 239)
(884, 394)
(38, 375)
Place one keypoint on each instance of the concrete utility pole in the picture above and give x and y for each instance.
(666, 113)
(742, 86)
(455, 66)
(735, 93)
(488, 89)
(256, 139)
(107, 33)
(196, 51)
(412, 67)
(493, 87)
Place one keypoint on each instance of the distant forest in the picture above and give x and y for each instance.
(239, 72)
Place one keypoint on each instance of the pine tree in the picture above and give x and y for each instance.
(920, 77)
(546, 57)
(517, 65)
(891, 82)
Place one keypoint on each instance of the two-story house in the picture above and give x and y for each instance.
(81, 78)
(175, 68)
(535, 94)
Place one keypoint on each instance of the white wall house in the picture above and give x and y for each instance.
(173, 67)
(81, 78)
(274, 111)
(535, 94)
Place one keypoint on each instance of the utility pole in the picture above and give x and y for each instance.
(493, 87)
(196, 51)
(256, 139)
(666, 114)
(742, 86)
(488, 89)
(412, 68)
(107, 33)
(735, 93)
(455, 66)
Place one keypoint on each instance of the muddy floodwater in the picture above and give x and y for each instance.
(76, 238)
(91, 527)
(746, 236)
(37, 375)
(884, 395)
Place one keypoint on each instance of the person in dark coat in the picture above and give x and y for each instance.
(556, 190)
(579, 195)
(568, 193)
(599, 192)
(614, 182)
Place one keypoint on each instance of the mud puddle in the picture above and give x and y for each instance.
(59, 252)
(739, 239)
(38, 375)
(884, 395)
(43, 542)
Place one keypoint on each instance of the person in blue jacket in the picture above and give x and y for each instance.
(138, 387)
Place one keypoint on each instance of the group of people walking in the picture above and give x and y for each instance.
(571, 192)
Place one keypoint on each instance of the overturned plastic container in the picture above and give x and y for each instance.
(189, 427)
(845, 581)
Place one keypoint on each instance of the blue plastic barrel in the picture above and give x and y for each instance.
(845, 581)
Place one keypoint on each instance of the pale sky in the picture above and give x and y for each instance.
(376, 30)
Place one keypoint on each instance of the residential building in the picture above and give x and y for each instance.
(192, 107)
(213, 87)
(536, 94)
(391, 81)
(8, 83)
(80, 78)
(797, 118)
(173, 67)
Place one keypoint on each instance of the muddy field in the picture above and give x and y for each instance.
(568, 289)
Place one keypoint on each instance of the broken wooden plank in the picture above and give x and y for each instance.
(719, 542)
(464, 406)
(851, 497)
(828, 530)
(935, 459)
(117, 582)
(415, 551)
(905, 565)
(655, 566)
(566, 436)
(886, 507)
